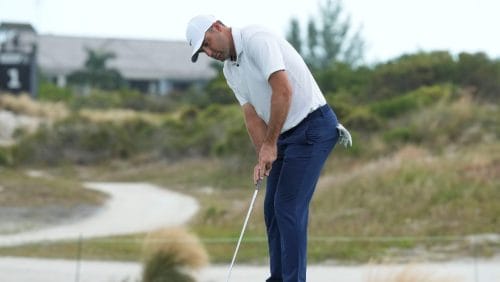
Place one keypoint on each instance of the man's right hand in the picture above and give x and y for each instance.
(267, 155)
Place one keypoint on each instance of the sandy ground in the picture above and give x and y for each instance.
(41, 270)
(131, 208)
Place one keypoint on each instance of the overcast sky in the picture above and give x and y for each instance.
(389, 27)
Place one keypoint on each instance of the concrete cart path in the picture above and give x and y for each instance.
(44, 270)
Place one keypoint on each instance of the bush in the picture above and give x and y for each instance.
(5, 156)
(442, 124)
(342, 77)
(79, 141)
(50, 92)
(414, 100)
(363, 118)
(401, 135)
(479, 72)
(97, 99)
(410, 72)
(123, 98)
(95, 136)
(215, 131)
(342, 103)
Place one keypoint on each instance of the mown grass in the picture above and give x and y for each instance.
(32, 188)
(126, 248)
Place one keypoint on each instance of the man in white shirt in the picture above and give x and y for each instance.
(289, 122)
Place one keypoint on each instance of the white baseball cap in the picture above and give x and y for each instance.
(195, 32)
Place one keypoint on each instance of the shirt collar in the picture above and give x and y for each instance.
(238, 45)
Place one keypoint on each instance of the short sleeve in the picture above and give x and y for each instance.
(265, 52)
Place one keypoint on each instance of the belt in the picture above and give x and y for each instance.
(318, 111)
(314, 113)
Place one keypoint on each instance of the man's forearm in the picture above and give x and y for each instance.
(257, 130)
(280, 105)
(256, 127)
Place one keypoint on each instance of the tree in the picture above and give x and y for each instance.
(329, 39)
(95, 72)
(312, 57)
(333, 33)
(293, 35)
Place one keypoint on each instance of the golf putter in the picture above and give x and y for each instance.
(257, 187)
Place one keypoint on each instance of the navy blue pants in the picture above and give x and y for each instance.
(302, 152)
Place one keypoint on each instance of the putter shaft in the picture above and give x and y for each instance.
(257, 187)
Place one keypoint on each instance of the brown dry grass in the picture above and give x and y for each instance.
(183, 246)
(23, 104)
(118, 116)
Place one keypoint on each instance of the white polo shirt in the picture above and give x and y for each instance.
(260, 53)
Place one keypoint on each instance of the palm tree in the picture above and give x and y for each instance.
(95, 72)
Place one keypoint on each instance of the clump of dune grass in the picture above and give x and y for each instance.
(460, 122)
(24, 105)
(406, 274)
(170, 253)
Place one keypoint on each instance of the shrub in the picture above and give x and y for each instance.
(342, 102)
(410, 72)
(79, 141)
(442, 124)
(5, 156)
(478, 72)
(363, 118)
(402, 135)
(97, 100)
(412, 101)
(51, 92)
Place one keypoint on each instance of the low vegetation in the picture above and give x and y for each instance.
(421, 180)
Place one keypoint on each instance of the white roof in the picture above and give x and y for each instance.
(135, 59)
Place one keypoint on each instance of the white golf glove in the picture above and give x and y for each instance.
(344, 136)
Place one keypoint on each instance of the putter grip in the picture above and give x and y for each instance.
(258, 184)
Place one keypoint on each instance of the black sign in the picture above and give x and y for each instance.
(15, 78)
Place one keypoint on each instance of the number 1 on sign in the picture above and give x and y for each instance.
(14, 82)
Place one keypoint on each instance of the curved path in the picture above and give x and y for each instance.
(131, 208)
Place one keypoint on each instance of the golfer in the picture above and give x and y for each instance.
(289, 122)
